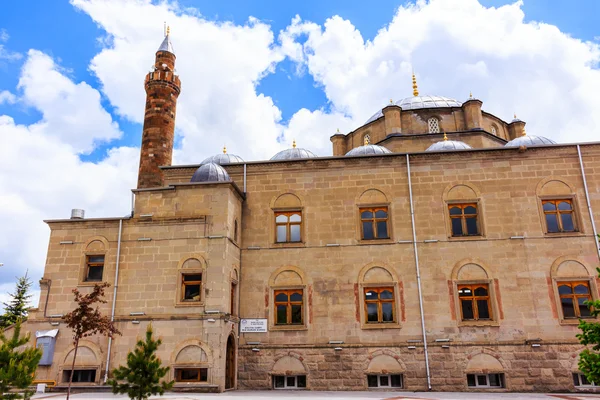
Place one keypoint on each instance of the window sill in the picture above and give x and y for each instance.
(394, 325)
(288, 328)
(563, 234)
(466, 238)
(90, 283)
(574, 321)
(189, 304)
(478, 323)
(288, 245)
(375, 241)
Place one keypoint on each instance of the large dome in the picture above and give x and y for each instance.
(420, 102)
(223, 158)
(368, 150)
(448, 145)
(529, 140)
(210, 172)
(293, 153)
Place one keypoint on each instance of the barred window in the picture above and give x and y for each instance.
(434, 125)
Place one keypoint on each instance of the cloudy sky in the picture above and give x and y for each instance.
(256, 75)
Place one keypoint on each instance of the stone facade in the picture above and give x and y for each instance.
(226, 232)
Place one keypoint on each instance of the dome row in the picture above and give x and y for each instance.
(210, 169)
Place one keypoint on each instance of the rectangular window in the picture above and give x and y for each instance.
(573, 296)
(559, 216)
(384, 381)
(374, 223)
(190, 287)
(191, 375)
(288, 226)
(475, 302)
(288, 307)
(289, 382)
(491, 381)
(94, 268)
(80, 375)
(380, 305)
(580, 380)
(463, 218)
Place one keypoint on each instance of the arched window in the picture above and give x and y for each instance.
(289, 301)
(433, 125)
(379, 297)
(464, 211)
(287, 210)
(367, 139)
(573, 287)
(94, 260)
(558, 206)
(474, 294)
(494, 130)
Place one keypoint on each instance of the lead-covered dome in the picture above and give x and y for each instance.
(368, 150)
(448, 145)
(293, 153)
(210, 172)
(529, 140)
(420, 102)
(224, 158)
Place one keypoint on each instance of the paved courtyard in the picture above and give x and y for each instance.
(284, 395)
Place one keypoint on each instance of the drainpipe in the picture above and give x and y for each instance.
(589, 204)
(414, 232)
(244, 178)
(114, 302)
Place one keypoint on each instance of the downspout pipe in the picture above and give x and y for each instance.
(589, 204)
(414, 232)
(114, 302)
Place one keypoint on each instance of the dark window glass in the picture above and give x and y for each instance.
(455, 211)
(372, 381)
(291, 381)
(281, 314)
(95, 273)
(296, 314)
(372, 312)
(576, 379)
(457, 227)
(188, 278)
(370, 295)
(80, 375)
(380, 214)
(386, 295)
(288, 307)
(95, 268)
(549, 206)
(368, 230)
(565, 289)
(482, 307)
(564, 206)
(551, 223)
(281, 297)
(567, 307)
(382, 231)
(192, 292)
(584, 310)
(366, 215)
(387, 311)
(581, 289)
(567, 222)
(396, 380)
(481, 380)
(470, 210)
(374, 223)
(559, 216)
(190, 375)
(384, 380)
(301, 380)
(203, 374)
(495, 380)
(279, 381)
(296, 297)
(470, 380)
(191, 286)
(584, 379)
(467, 309)
(463, 219)
(481, 291)
(472, 226)
(465, 292)
(379, 305)
(573, 296)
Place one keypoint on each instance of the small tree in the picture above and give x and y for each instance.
(143, 371)
(16, 308)
(86, 321)
(17, 366)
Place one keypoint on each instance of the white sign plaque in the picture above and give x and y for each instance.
(253, 325)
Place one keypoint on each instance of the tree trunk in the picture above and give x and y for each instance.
(72, 369)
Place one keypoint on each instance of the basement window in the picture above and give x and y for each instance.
(490, 381)
(191, 375)
(579, 380)
(384, 381)
(289, 382)
(80, 375)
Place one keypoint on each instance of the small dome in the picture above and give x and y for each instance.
(420, 102)
(368, 150)
(529, 140)
(210, 172)
(223, 158)
(448, 145)
(293, 154)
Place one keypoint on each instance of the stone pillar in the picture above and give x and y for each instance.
(339, 144)
(393, 119)
(516, 129)
(162, 89)
(472, 112)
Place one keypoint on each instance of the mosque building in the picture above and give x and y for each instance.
(439, 248)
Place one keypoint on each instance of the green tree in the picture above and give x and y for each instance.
(86, 321)
(17, 366)
(142, 372)
(17, 308)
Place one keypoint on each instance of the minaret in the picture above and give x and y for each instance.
(162, 89)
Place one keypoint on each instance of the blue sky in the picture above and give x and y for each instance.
(72, 98)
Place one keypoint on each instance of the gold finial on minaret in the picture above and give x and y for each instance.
(470, 94)
(224, 149)
(294, 143)
(415, 88)
(338, 130)
(391, 101)
(515, 116)
(168, 30)
(445, 137)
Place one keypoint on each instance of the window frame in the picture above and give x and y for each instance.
(65, 374)
(289, 212)
(463, 217)
(289, 305)
(592, 290)
(182, 298)
(285, 382)
(579, 376)
(492, 303)
(374, 220)
(501, 376)
(397, 304)
(577, 226)
(474, 299)
(379, 303)
(200, 270)
(88, 264)
(178, 370)
(480, 218)
(389, 386)
(439, 125)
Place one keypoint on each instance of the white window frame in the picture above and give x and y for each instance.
(579, 379)
(487, 381)
(285, 382)
(431, 125)
(389, 385)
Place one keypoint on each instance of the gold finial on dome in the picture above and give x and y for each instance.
(445, 137)
(391, 101)
(366, 141)
(294, 143)
(470, 94)
(515, 116)
(224, 149)
(415, 88)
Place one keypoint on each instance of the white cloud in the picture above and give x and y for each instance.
(4, 53)
(7, 97)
